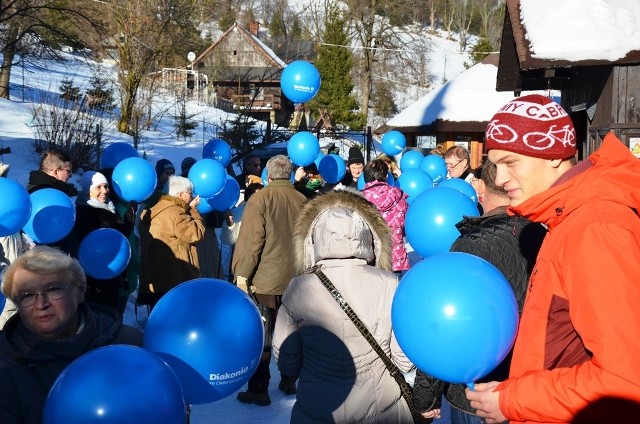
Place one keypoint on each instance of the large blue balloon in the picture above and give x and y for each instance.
(435, 166)
(303, 148)
(455, 316)
(300, 81)
(332, 168)
(462, 186)
(410, 159)
(210, 333)
(224, 200)
(217, 149)
(2, 301)
(134, 179)
(104, 253)
(15, 207)
(52, 216)
(208, 177)
(264, 177)
(413, 182)
(393, 143)
(115, 153)
(430, 223)
(116, 384)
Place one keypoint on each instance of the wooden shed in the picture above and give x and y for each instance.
(601, 95)
(244, 70)
(456, 113)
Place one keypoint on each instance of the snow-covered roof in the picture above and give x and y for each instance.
(470, 97)
(577, 30)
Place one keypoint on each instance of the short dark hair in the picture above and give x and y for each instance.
(376, 170)
(53, 159)
(488, 175)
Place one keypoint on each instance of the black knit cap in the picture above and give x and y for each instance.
(186, 165)
(162, 165)
(355, 156)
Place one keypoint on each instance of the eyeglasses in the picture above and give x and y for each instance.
(453, 165)
(56, 291)
(255, 165)
(66, 169)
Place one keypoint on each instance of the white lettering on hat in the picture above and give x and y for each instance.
(548, 112)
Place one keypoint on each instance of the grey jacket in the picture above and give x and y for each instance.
(341, 378)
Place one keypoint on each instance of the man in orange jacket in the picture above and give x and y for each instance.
(578, 336)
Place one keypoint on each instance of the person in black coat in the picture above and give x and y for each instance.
(94, 210)
(53, 327)
(54, 172)
(511, 244)
(355, 166)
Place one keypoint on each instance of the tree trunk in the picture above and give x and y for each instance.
(8, 53)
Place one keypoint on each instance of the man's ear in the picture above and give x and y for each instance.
(555, 163)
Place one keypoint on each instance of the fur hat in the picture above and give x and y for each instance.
(91, 179)
(162, 165)
(532, 125)
(186, 165)
(355, 156)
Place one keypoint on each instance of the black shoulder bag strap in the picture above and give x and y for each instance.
(405, 388)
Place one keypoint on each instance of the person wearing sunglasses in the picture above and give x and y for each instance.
(53, 327)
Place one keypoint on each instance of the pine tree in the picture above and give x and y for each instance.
(184, 122)
(69, 91)
(334, 64)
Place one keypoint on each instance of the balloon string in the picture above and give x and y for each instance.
(471, 386)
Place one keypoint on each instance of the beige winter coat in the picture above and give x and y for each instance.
(169, 232)
(341, 378)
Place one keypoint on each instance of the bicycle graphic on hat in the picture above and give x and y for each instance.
(537, 140)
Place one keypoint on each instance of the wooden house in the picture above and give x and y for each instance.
(246, 72)
(456, 113)
(601, 94)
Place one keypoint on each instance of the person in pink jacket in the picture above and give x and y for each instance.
(392, 204)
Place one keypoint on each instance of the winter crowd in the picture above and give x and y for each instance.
(322, 263)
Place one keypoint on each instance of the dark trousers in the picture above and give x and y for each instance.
(268, 306)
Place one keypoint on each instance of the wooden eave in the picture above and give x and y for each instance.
(518, 70)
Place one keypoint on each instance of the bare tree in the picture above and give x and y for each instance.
(145, 33)
(45, 23)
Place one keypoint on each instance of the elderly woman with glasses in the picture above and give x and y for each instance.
(458, 163)
(53, 327)
(169, 229)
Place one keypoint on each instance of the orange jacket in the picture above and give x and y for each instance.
(578, 338)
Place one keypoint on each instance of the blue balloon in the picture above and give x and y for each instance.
(430, 223)
(2, 301)
(224, 200)
(52, 216)
(413, 182)
(264, 177)
(393, 143)
(411, 159)
(15, 207)
(104, 253)
(300, 81)
(435, 166)
(462, 186)
(318, 159)
(455, 316)
(210, 333)
(303, 148)
(217, 149)
(115, 153)
(332, 168)
(134, 179)
(116, 384)
(208, 177)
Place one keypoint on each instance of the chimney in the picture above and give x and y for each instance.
(253, 27)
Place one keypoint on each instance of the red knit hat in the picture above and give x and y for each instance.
(532, 125)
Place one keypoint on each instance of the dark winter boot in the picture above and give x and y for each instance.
(260, 399)
(288, 385)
